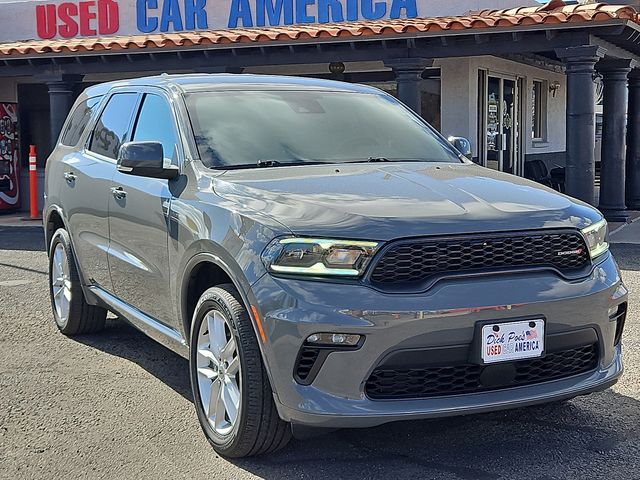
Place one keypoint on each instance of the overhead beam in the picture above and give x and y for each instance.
(369, 49)
(613, 50)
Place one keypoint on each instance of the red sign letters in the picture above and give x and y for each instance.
(70, 19)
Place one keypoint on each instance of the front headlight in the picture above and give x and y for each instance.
(318, 256)
(596, 236)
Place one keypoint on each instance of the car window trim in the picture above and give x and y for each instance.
(88, 126)
(108, 98)
(144, 91)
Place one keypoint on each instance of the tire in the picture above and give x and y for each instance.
(72, 314)
(256, 427)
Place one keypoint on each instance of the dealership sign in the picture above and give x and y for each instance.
(26, 20)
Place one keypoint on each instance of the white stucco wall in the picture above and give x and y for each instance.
(459, 100)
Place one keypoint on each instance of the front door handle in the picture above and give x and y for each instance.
(118, 192)
(70, 177)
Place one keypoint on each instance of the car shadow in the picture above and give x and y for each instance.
(122, 340)
(540, 442)
(572, 439)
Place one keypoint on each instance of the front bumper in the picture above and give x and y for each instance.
(291, 310)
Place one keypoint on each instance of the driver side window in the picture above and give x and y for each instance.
(155, 124)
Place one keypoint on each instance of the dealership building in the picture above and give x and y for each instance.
(520, 82)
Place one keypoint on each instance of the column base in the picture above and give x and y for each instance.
(614, 214)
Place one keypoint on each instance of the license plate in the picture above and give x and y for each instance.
(502, 342)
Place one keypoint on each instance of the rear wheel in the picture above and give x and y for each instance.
(72, 313)
(231, 391)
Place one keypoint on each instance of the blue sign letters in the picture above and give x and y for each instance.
(181, 15)
(191, 16)
(273, 13)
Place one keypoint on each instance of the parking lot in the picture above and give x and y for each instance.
(117, 405)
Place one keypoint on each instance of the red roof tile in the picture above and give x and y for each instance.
(554, 12)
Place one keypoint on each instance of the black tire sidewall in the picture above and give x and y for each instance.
(211, 301)
(62, 237)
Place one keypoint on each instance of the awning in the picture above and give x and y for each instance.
(552, 15)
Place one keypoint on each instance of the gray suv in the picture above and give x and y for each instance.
(322, 257)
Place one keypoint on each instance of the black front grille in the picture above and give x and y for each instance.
(417, 261)
(392, 383)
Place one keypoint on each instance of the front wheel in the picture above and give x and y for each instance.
(231, 391)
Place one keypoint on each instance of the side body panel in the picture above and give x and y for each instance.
(138, 255)
(83, 182)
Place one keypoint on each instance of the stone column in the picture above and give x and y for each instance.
(632, 169)
(581, 130)
(615, 74)
(61, 100)
(408, 73)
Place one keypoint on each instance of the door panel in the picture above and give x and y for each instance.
(493, 127)
(138, 252)
(138, 219)
(84, 184)
(85, 178)
(508, 119)
(501, 124)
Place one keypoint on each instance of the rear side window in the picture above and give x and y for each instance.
(155, 124)
(78, 121)
(112, 127)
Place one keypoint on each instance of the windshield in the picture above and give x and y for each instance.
(235, 129)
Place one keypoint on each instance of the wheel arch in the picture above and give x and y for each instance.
(212, 261)
(54, 219)
(205, 270)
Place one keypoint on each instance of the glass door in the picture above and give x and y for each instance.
(500, 122)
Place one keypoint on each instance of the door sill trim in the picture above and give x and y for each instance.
(162, 334)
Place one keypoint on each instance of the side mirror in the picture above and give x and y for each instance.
(144, 159)
(462, 145)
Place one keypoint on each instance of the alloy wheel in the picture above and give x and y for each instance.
(219, 373)
(61, 284)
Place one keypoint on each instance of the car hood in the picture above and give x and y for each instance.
(394, 200)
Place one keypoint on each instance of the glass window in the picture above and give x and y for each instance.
(78, 121)
(242, 128)
(111, 129)
(538, 111)
(155, 124)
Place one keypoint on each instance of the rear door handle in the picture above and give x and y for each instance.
(118, 192)
(70, 177)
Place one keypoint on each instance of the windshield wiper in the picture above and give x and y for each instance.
(279, 163)
(382, 159)
(377, 159)
(268, 163)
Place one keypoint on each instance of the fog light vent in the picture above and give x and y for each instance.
(618, 316)
(306, 361)
(317, 348)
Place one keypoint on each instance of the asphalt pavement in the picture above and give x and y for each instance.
(117, 405)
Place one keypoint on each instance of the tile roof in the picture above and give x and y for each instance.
(553, 13)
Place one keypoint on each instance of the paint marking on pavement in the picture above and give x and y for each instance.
(14, 283)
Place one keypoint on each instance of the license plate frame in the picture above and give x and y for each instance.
(516, 347)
